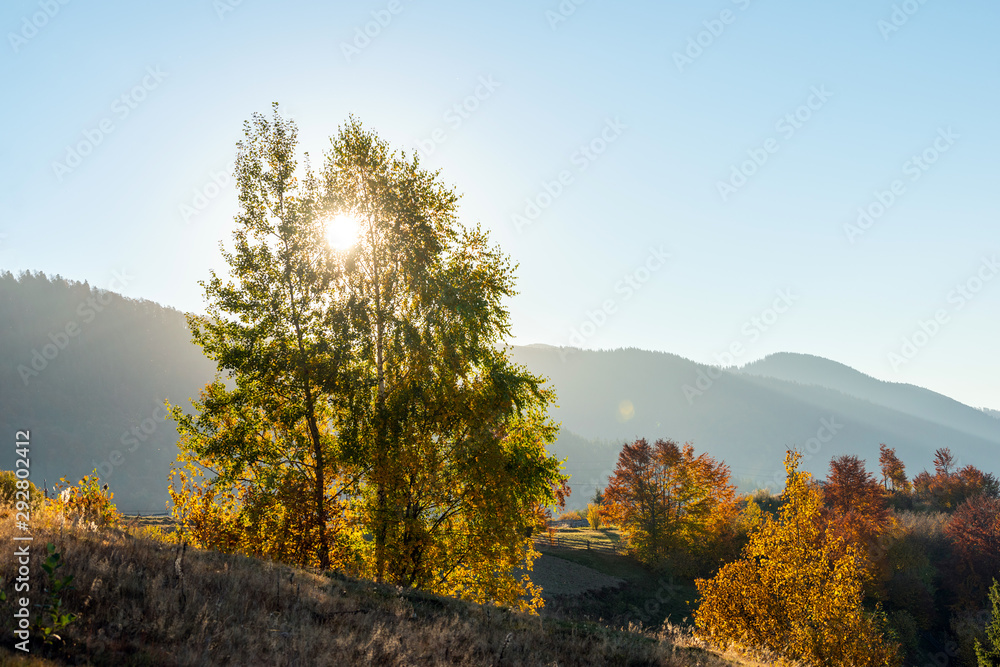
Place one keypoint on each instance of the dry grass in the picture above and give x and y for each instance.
(143, 601)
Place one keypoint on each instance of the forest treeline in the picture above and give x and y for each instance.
(859, 568)
(88, 370)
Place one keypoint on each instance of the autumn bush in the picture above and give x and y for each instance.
(951, 486)
(974, 531)
(87, 502)
(594, 516)
(9, 491)
(798, 590)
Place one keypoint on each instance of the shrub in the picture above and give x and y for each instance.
(9, 491)
(88, 502)
(594, 516)
(53, 618)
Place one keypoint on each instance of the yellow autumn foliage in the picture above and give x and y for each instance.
(798, 590)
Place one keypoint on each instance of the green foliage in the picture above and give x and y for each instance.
(988, 652)
(374, 422)
(53, 617)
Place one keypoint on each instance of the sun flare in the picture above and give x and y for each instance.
(342, 232)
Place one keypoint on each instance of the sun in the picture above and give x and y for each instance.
(342, 232)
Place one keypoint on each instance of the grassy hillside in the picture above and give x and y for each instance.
(143, 601)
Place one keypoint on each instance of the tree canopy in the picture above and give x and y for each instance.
(366, 416)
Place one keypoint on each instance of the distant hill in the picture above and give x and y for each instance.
(92, 398)
(87, 371)
(908, 399)
(747, 416)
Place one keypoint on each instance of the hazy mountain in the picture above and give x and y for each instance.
(908, 399)
(746, 419)
(86, 371)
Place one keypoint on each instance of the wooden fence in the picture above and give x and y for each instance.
(545, 540)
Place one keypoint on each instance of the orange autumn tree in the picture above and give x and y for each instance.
(950, 486)
(893, 471)
(665, 500)
(856, 502)
(798, 589)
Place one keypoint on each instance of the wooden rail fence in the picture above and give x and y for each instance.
(545, 540)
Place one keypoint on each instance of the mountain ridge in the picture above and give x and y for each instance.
(97, 402)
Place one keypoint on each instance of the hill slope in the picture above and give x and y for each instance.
(606, 397)
(144, 602)
(87, 371)
(908, 399)
(92, 399)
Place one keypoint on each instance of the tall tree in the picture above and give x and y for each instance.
(450, 435)
(855, 501)
(375, 376)
(665, 499)
(893, 470)
(276, 328)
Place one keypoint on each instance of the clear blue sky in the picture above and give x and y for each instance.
(675, 121)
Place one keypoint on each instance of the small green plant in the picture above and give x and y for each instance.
(53, 617)
(988, 652)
